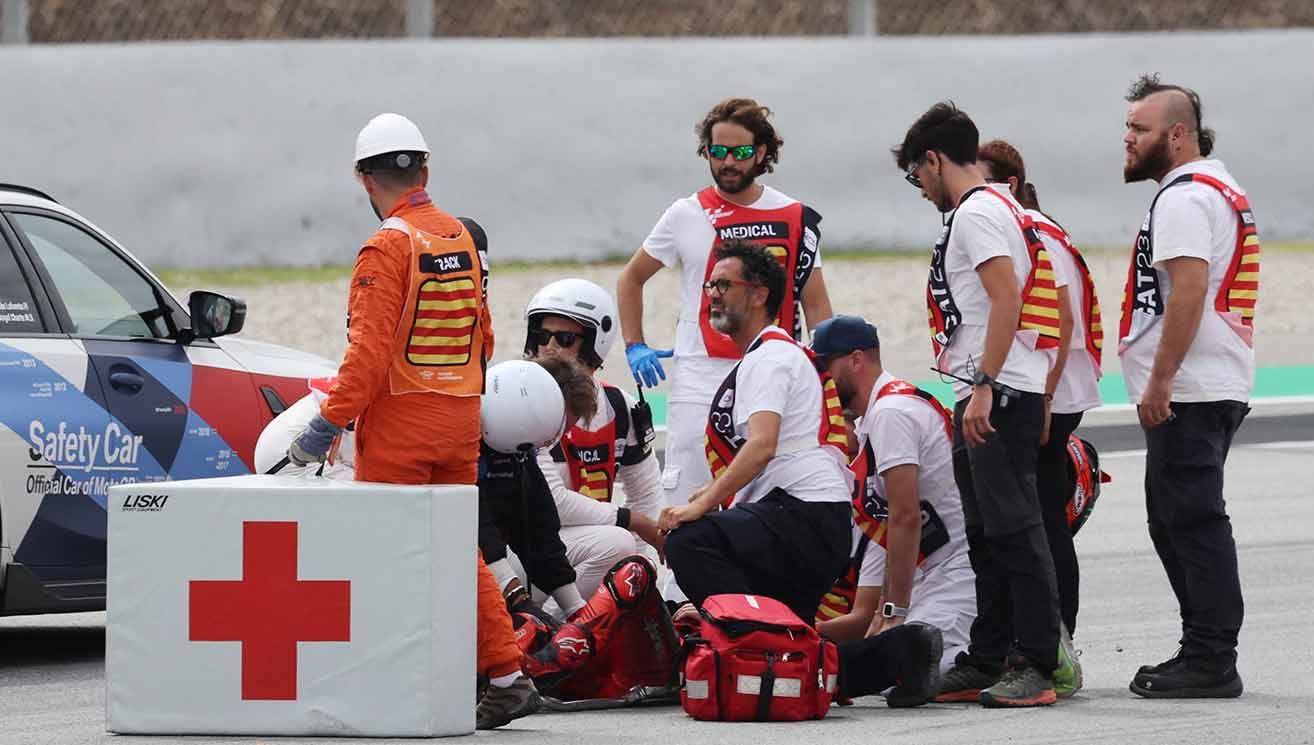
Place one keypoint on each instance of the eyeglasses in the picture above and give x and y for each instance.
(723, 285)
(540, 337)
(911, 175)
(741, 152)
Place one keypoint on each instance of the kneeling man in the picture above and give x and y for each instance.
(910, 559)
(775, 444)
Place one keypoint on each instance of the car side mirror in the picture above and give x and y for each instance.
(213, 315)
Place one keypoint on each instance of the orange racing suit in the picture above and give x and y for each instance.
(419, 337)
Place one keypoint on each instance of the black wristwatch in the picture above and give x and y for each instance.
(982, 379)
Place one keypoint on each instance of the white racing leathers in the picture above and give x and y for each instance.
(600, 467)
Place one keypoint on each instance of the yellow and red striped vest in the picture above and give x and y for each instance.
(1090, 302)
(721, 443)
(839, 601)
(591, 457)
(1039, 294)
(870, 511)
(444, 334)
(1142, 299)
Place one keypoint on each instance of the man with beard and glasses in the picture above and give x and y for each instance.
(775, 442)
(419, 336)
(740, 144)
(1187, 351)
(993, 311)
(909, 560)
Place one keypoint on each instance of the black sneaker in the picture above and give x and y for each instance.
(1147, 669)
(919, 678)
(500, 705)
(1185, 677)
(963, 683)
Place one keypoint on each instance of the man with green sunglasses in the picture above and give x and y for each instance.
(740, 144)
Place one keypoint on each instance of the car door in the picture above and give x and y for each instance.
(126, 324)
(52, 518)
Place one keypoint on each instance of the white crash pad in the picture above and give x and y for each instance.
(271, 605)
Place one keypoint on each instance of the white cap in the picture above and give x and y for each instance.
(389, 133)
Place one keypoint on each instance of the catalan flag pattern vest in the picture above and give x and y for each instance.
(871, 510)
(1090, 302)
(839, 601)
(1142, 299)
(591, 456)
(721, 443)
(1039, 294)
(442, 337)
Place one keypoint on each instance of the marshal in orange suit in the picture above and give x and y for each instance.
(419, 338)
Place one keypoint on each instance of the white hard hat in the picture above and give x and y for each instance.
(389, 133)
(582, 301)
(522, 407)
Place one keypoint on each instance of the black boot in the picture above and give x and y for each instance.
(906, 657)
(1188, 677)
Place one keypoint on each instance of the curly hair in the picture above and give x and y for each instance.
(577, 386)
(760, 268)
(1148, 85)
(750, 115)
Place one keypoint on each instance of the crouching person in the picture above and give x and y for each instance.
(775, 447)
(910, 561)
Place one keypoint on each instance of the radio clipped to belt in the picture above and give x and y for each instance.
(641, 418)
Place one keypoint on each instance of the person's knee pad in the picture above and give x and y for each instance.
(627, 584)
(631, 580)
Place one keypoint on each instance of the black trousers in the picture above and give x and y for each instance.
(1055, 490)
(1016, 594)
(780, 547)
(1189, 524)
(516, 509)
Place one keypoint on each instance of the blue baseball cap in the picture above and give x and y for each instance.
(839, 335)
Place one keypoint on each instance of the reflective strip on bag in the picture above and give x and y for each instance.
(696, 689)
(785, 687)
(832, 683)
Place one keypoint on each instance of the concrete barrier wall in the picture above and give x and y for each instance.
(227, 154)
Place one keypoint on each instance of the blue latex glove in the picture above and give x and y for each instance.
(312, 445)
(643, 363)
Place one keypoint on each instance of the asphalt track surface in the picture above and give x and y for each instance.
(52, 668)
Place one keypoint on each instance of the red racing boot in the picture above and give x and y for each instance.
(624, 587)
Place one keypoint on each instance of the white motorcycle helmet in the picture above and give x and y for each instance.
(584, 302)
(522, 407)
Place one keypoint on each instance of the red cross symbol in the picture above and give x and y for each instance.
(269, 610)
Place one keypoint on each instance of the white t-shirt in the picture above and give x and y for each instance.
(777, 376)
(1078, 387)
(640, 479)
(1195, 220)
(684, 236)
(984, 228)
(904, 429)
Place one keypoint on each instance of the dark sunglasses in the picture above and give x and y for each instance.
(911, 175)
(723, 285)
(540, 337)
(741, 152)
